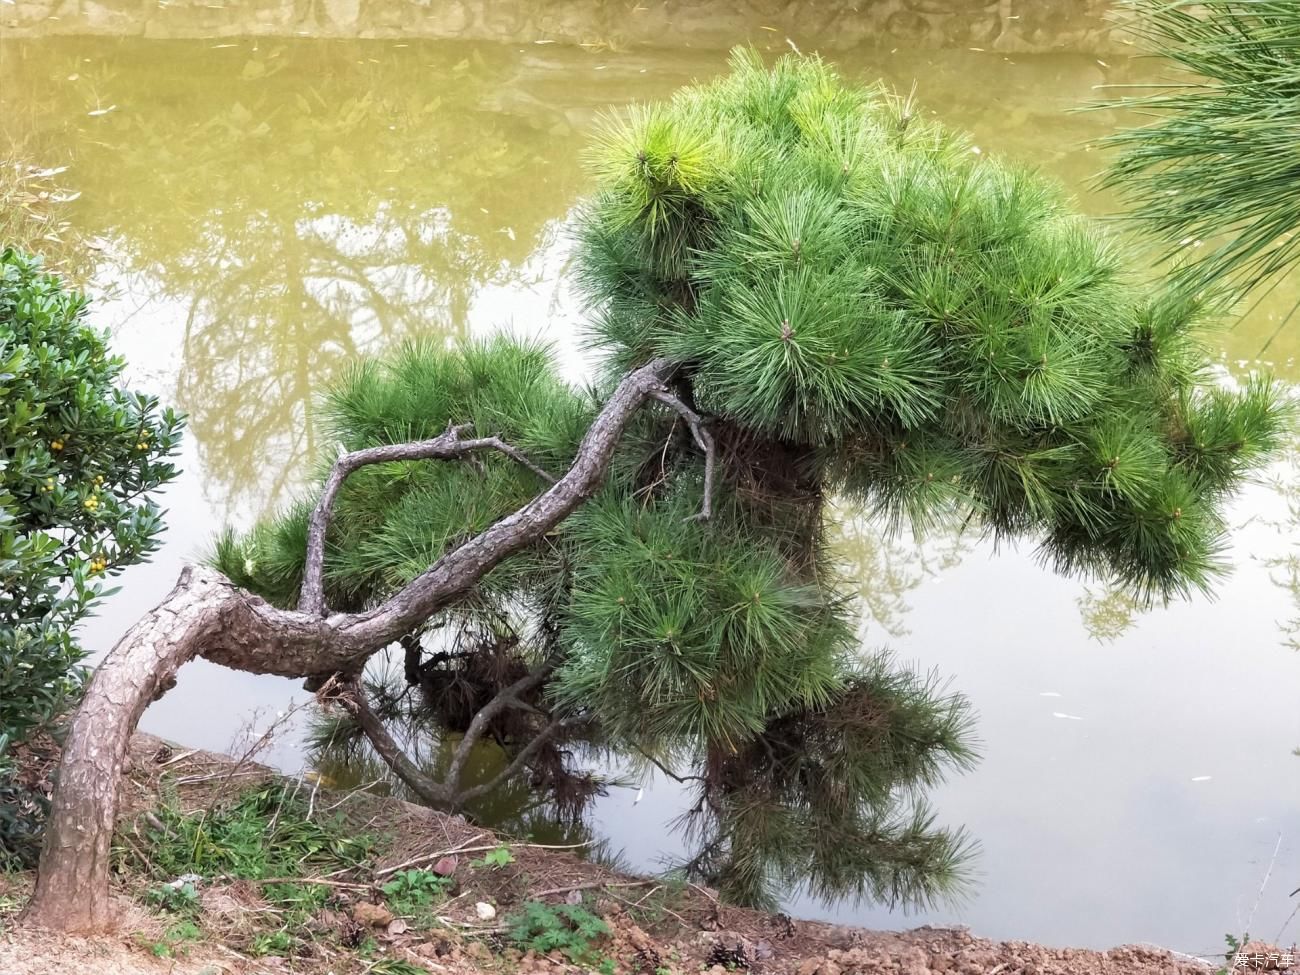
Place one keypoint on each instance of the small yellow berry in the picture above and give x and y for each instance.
(56, 444)
(142, 446)
(99, 478)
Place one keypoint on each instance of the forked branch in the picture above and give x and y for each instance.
(446, 794)
(703, 439)
(522, 759)
(508, 697)
(354, 699)
(446, 446)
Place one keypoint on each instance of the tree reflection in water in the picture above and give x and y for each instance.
(301, 208)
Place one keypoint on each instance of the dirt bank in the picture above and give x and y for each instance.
(359, 922)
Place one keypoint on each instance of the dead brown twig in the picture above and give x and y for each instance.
(439, 854)
(591, 885)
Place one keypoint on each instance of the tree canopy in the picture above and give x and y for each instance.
(860, 308)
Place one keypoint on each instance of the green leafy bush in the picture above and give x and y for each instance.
(79, 457)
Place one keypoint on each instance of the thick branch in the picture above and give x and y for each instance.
(72, 883)
(461, 568)
(703, 439)
(263, 639)
(445, 446)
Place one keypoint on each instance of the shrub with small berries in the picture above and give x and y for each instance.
(79, 460)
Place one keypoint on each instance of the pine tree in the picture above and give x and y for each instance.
(860, 309)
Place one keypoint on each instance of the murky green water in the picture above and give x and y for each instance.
(268, 209)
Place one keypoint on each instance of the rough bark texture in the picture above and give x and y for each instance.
(72, 885)
(207, 615)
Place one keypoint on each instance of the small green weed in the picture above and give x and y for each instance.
(296, 897)
(263, 833)
(275, 943)
(180, 899)
(394, 966)
(1234, 946)
(412, 892)
(174, 942)
(568, 928)
(496, 859)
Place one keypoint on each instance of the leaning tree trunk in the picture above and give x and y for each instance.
(207, 616)
(72, 885)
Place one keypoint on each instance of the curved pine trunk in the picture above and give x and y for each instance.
(72, 891)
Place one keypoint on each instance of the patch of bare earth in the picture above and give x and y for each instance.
(658, 927)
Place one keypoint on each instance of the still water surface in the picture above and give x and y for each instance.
(268, 209)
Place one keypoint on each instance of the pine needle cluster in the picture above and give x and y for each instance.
(862, 307)
(1214, 163)
(937, 330)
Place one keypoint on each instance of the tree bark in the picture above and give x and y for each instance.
(207, 615)
(72, 883)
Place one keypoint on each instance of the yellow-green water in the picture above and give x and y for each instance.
(265, 210)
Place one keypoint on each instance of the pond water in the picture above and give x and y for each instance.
(266, 209)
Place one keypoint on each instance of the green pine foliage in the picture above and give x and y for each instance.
(394, 520)
(865, 309)
(937, 329)
(1213, 162)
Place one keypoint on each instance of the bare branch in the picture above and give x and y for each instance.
(445, 446)
(590, 885)
(514, 453)
(465, 847)
(667, 771)
(703, 439)
(540, 739)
